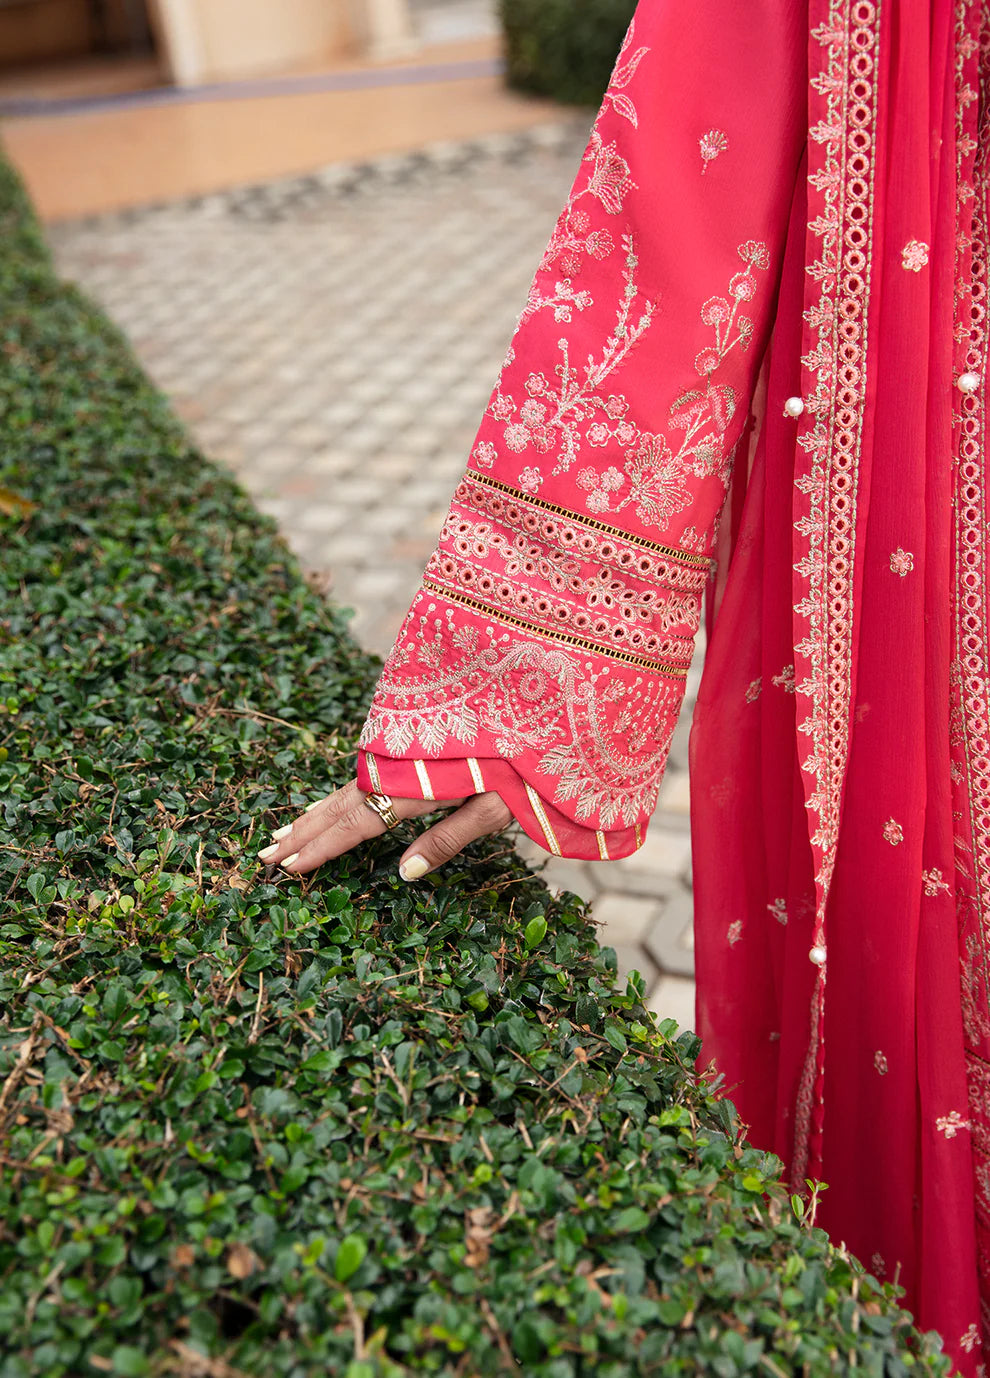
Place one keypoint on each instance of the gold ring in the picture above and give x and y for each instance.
(382, 805)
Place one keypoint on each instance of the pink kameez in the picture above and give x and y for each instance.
(750, 372)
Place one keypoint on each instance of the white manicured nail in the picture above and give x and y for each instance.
(315, 805)
(266, 852)
(279, 833)
(289, 860)
(413, 867)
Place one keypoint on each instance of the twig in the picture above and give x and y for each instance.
(257, 714)
(357, 1325)
(255, 1022)
(24, 1056)
(197, 1365)
(503, 1344)
(35, 1297)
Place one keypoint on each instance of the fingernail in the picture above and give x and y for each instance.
(315, 805)
(279, 833)
(413, 867)
(266, 852)
(289, 860)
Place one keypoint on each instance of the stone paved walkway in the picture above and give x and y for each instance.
(334, 339)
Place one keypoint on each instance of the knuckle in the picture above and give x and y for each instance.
(444, 845)
(352, 818)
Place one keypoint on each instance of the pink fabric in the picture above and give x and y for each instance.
(552, 635)
(774, 205)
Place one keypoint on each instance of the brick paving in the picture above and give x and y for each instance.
(333, 339)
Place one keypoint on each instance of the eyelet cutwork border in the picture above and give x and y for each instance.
(970, 691)
(567, 638)
(668, 551)
(843, 222)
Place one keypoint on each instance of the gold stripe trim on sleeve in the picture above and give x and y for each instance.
(476, 775)
(425, 783)
(372, 764)
(552, 634)
(552, 844)
(672, 552)
(602, 846)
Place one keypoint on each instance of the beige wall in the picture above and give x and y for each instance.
(218, 40)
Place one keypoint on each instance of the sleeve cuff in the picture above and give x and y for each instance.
(457, 778)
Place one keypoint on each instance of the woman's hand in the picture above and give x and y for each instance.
(334, 825)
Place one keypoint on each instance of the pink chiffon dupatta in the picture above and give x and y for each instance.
(839, 745)
(758, 342)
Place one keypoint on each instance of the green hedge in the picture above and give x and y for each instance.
(563, 48)
(339, 1126)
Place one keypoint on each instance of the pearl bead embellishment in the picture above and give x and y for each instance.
(794, 406)
(968, 382)
(817, 955)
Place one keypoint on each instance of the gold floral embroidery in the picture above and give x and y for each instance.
(880, 1063)
(573, 240)
(580, 410)
(566, 537)
(538, 566)
(878, 1265)
(785, 680)
(934, 882)
(779, 910)
(901, 561)
(603, 743)
(712, 144)
(735, 932)
(599, 486)
(970, 1338)
(950, 1124)
(553, 413)
(754, 689)
(893, 832)
(622, 75)
(914, 255)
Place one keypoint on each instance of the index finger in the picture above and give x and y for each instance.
(333, 825)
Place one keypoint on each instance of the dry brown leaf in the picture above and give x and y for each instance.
(478, 1236)
(242, 1261)
(13, 505)
(183, 1256)
(59, 1121)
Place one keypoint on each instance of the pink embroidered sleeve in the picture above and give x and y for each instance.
(545, 653)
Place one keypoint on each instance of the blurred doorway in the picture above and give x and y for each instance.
(56, 48)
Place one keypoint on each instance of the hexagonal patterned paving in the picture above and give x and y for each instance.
(334, 339)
